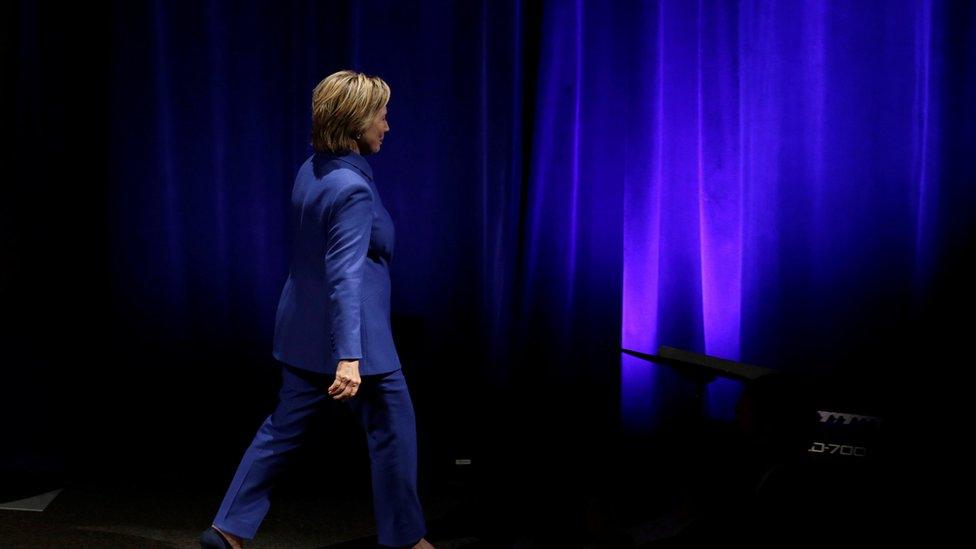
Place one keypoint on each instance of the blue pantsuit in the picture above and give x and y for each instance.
(335, 305)
(382, 406)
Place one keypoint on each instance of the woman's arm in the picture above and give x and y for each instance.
(348, 232)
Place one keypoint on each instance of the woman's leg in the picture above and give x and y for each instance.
(385, 410)
(248, 497)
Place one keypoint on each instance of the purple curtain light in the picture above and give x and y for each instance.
(783, 169)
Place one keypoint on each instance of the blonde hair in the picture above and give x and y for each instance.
(343, 106)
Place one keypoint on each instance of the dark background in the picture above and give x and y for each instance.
(149, 153)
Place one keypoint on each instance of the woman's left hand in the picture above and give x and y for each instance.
(347, 380)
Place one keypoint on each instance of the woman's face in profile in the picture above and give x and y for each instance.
(372, 138)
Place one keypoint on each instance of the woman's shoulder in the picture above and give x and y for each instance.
(330, 173)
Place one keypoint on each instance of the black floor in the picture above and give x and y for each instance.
(665, 493)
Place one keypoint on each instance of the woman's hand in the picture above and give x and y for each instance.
(347, 380)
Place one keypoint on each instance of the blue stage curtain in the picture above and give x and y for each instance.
(752, 180)
(770, 178)
(773, 181)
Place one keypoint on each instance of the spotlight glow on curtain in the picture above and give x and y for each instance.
(781, 169)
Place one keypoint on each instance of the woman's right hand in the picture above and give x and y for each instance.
(347, 380)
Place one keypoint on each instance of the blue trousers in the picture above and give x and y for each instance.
(385, 410)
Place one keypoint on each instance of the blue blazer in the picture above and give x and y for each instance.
(336, 302)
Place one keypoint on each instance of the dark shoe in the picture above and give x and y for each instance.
(212, 539)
